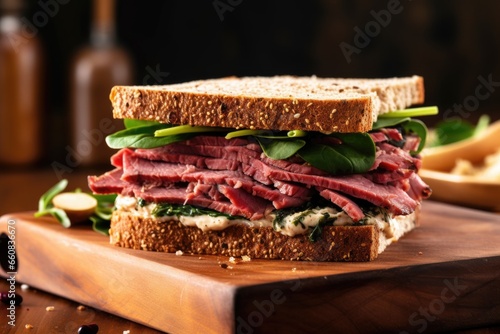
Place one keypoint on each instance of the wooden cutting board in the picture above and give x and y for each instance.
(443, 276)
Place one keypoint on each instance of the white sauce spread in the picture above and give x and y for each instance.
(392, 229)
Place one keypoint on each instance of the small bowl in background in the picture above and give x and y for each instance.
(470, 191)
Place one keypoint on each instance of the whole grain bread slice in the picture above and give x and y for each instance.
(270, 103)
(336, 243)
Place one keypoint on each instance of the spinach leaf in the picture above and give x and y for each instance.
(356, 154)
(389, 122)
(278, 149)
(143, 137)
(152, 142)
(128, 137)
(133, 123)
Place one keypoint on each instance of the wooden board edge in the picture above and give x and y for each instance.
(196, 303)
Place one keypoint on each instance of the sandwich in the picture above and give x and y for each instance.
(283, 167)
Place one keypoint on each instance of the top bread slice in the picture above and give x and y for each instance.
(270, 103)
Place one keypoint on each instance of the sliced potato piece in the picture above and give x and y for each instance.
(78, 206)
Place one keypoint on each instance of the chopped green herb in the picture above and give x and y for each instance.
(168, 209)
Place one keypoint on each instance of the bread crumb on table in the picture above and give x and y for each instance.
(50, 308)
(179, 253)
(28, 326)
(81, 308)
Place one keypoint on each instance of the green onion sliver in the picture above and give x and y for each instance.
(411, 112)
(296, 133)
(181, 129)
(245, 132)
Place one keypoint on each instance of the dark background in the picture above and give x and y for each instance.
(450, 43)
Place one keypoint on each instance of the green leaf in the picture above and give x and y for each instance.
(389, 122)
(45, 200)
(453, 131)
(152, 142)
(356, 154)
(45, 206)
(61, 216)
(128, 137)
(100, 225)
(457, 129)
(278, 149)
(57, 213)
(133, 123)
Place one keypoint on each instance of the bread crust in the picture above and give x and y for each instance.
(314, 104)
(337, 243)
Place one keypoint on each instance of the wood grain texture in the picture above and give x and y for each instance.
(443, 276)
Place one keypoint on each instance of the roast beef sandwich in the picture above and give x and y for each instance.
(292, 168)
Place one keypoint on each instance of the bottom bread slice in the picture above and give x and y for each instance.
(336, 243)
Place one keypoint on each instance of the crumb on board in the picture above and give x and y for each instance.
(420, 253)
(28, 326)
(179, 253)
(25, 287)
(50, 308)
(81, 308)
(246, 258)
(294, 269)
(232, 260)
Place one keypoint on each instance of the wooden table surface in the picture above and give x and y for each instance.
(19, 191)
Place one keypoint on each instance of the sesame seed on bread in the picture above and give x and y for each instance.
(270, 103)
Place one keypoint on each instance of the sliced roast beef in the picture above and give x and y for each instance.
(393, 134)
(418, 188)
(107, 183)
(234, 177)
(346, 204)
(378, 136)
(239, 204)
(249, 206)
(392, 198)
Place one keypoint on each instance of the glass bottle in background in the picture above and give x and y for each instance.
(21, 88)
(94, 71)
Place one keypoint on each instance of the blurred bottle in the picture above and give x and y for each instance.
(21, 88)
(95, 70)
